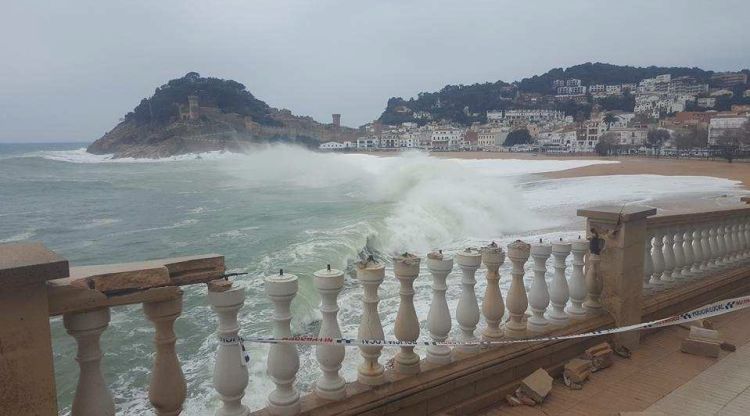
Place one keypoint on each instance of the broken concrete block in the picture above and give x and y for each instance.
(703, 334)
(528, 401)
(513, 401)
(600, 356)
(589, 353)
(577, 370)
(537, 385)
(700, 347)
(728, 347)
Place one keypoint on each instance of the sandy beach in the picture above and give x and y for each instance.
(738, 171)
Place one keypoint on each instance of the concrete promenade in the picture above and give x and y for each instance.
(658, 377)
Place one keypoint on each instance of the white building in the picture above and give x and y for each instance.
(597, 88)
(629, 136)
(368, 143)
(525, 115)
(561, 140)
(706, 102)
(653, 104)
(571, 90)
(446, 138)
(332, 146)
(489, 138)
(720, 125)
(613, 90)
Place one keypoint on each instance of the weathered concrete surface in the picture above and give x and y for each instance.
(27, 384)
(621, 267)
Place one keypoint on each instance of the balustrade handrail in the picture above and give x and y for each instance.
(106, 285)
(670, 220)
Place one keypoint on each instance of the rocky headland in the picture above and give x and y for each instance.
(193, 114)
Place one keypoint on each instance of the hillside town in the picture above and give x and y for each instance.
(670, 114)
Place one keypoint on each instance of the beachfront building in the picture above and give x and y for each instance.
(629, 136)
(446, 138)
(332, 146)
(561, 140)
(390, 139)
(368, 143)
(720, 125)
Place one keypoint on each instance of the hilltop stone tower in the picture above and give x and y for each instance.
(336, 120)
(193, 107)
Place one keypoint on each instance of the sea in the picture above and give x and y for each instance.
(282, 207)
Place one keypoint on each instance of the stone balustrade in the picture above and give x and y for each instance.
(687, 247)
(573, 282)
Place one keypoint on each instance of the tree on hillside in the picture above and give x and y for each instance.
(657, 137)
(520, 136)
(607, 144)
(609, 118)
(691, 138)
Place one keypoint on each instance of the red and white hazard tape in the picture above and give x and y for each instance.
(707, 311)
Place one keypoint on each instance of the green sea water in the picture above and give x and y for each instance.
(281, 207)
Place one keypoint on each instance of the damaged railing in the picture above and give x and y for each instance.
(677, 248)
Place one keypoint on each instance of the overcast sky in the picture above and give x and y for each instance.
(71, 69)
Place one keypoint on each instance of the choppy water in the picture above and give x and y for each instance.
(285, 208)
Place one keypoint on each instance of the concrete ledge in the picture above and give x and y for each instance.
(614, 213)
(27, 263)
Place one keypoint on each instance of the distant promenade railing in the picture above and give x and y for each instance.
(585, 284)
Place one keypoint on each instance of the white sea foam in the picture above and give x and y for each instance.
(18, 237)
(82, 156)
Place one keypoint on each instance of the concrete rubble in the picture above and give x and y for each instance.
(702, 341)
(600, 356)
(537, 385)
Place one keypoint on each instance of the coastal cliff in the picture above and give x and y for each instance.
(194, 114)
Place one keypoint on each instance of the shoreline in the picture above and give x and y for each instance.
(736, 171)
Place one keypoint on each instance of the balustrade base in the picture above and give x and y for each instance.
(406, 363)
(335, 391)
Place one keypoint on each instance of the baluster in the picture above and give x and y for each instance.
(735, 241)
(539, 292)
(721, 244)
(697, 268)
(648, 265)
(741, 239)
(669, 260)
(729, 244)
(493, 307)
(283, 359)
(467, 311)
(517, 302)
(558, 289)
(331, 385)
(406, 269)
(747, 236)
(579, 249)
(689, 257)
(657, 255)
(371, 274)
(679, 255)
(230, 368)
(594, 286)
(705, 249)
(92, 397)
(439, 317)
(713, 240)
(167, 390)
